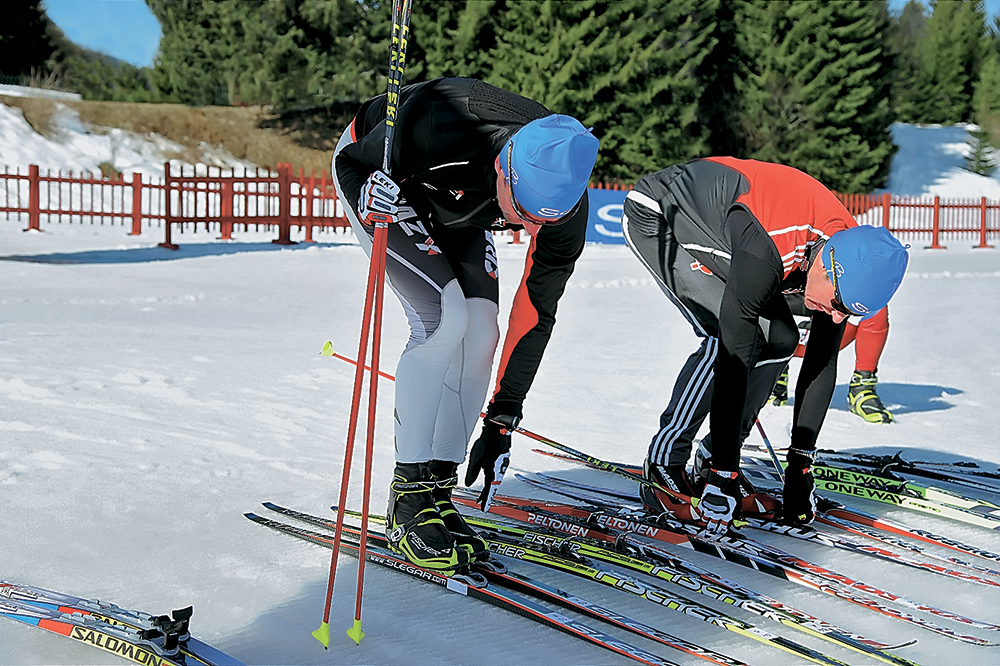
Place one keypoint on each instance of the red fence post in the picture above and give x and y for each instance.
(982, 224)
(285, 205)
(168, 216)
(886, 208)
(226, 208)
(136, 204)
(34, 198)
(936, 227)
(308, 215)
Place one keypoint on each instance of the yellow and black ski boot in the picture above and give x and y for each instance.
(863, 400)
(445, 474)
(779, 394)
(414, 527)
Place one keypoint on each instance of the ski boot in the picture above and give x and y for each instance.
(863, 400)
(657, 501)
(702, 464)
(753, 503)
(414, 527)
(445, 474)
(779, 394)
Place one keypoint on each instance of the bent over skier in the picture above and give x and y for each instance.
(468, 159)
(725, 239)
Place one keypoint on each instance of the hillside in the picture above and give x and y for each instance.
(124, 137)
(303, 137)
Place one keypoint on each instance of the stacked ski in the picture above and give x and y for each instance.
(804, 533)
(583, 558)
(957, 472)
(494, 585)
(831, 512)
(133, 635)
(888, 489)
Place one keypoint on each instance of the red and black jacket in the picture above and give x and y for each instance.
(449, 132)
(755, 226)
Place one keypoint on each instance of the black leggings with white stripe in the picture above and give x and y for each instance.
(697, 293)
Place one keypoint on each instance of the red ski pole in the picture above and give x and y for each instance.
(372, 322)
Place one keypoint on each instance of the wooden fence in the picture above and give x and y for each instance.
(185, 199)
(208, 197)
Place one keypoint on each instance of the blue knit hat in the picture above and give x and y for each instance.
(548, 163)
(866, 265)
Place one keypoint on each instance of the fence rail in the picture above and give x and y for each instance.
(915, 218)
(208, 197)
(184, 199)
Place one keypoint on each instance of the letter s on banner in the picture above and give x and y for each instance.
(604, 225)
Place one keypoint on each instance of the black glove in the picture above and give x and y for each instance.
(491, 455)
(798, 505)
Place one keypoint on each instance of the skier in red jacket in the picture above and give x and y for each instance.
(726, 239)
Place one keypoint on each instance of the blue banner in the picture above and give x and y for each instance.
(605, 223)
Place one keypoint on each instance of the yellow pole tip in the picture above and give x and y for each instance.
(355, 632)
(323, 634)
(327, 349)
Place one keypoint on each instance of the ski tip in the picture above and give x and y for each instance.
(323, 635)
(327, 349)
(355, 632)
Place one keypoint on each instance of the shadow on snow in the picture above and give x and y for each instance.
(139, 255)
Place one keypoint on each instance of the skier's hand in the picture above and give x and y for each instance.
(717, 505)
(378, 200)
(798, 505)
(491, 455)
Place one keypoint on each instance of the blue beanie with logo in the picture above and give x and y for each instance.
(866, 265)
(548, 163)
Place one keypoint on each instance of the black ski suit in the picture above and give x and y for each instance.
(725, 238)
(442, 263)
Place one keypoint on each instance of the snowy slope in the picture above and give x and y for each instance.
(149, 398)
(78, 148)
(931, 160)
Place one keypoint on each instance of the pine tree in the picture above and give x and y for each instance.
(986, 110)
(718, 72)
(25, 45)
(814, 91)
(952, 52)
(193, 44)
(627, 69)
(652, 94)
(906, 42)
(328, 51)
(452, 39)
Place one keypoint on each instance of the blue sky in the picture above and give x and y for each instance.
(992, 6)
(127, 30)
(124, 29)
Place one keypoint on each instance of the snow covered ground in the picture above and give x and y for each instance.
(149, 398)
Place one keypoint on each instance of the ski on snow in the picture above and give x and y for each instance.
(926, 499)
(952, 472)
(536, 588)
(133, 635)
(783, 558)
(548, 548)
(578, 565)
(494, 595)
(803, 533)
(611, 526)
(836, 510)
